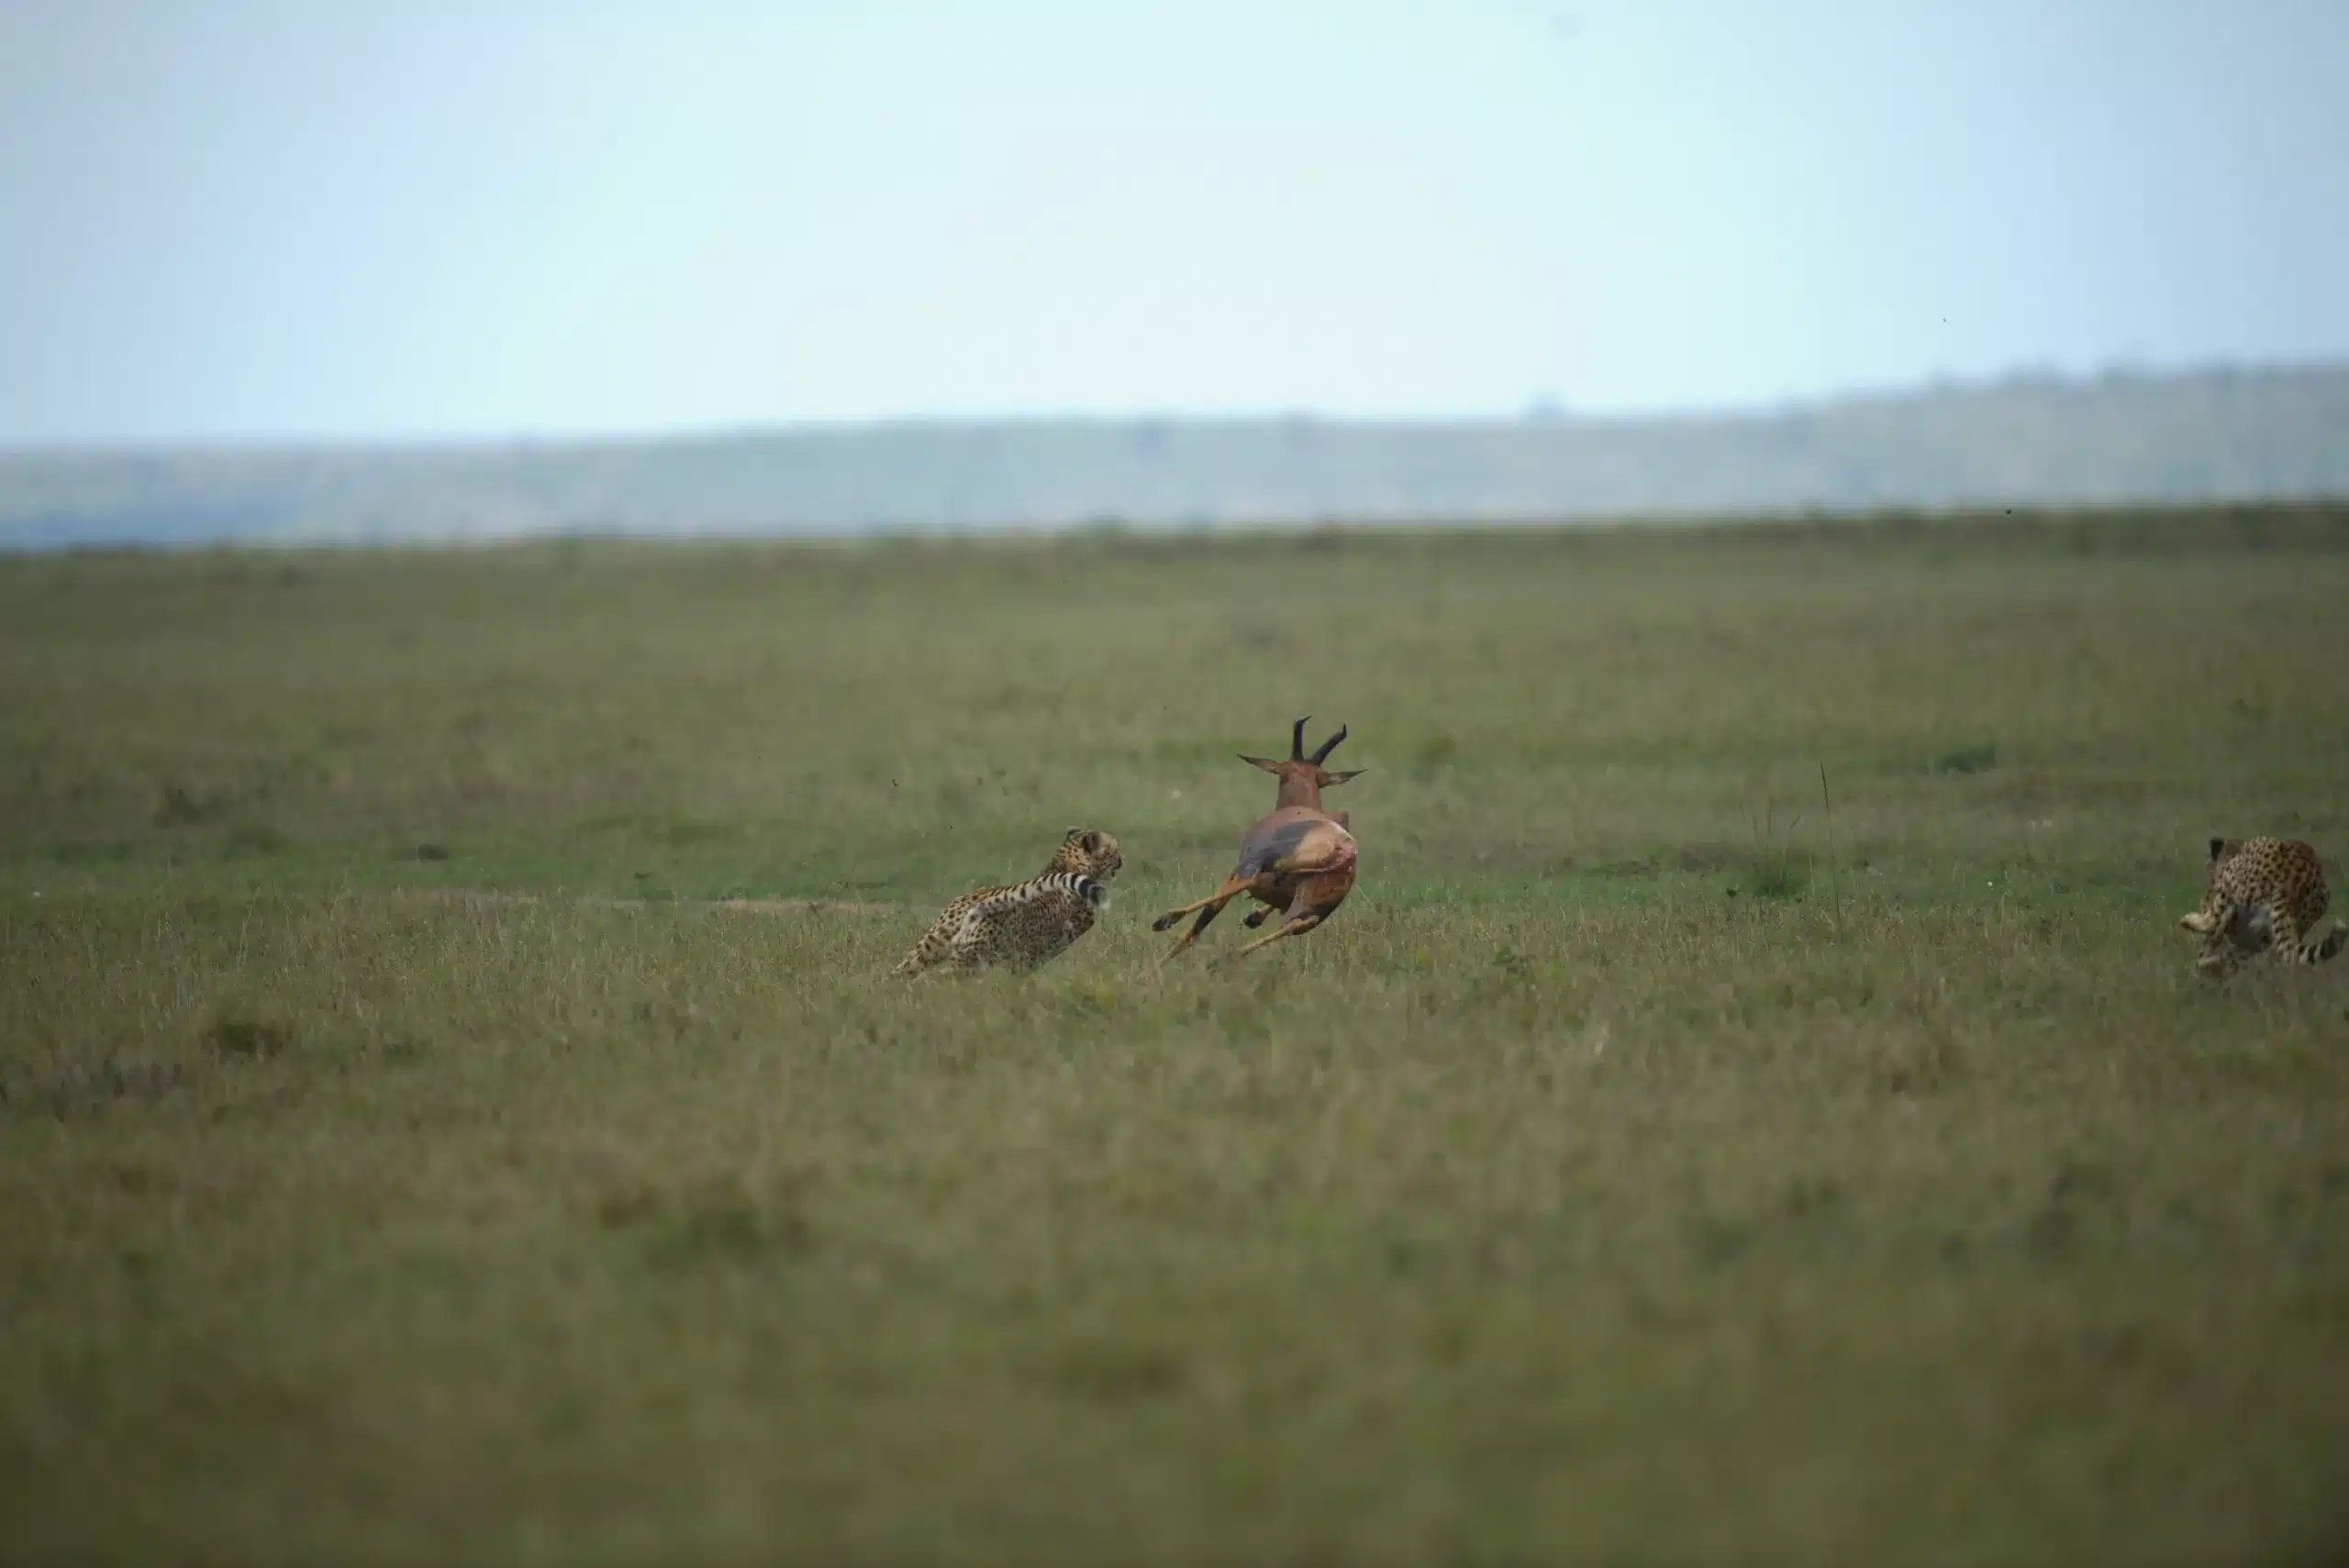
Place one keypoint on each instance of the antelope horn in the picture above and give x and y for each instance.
(1328, 746)
(1297, 740)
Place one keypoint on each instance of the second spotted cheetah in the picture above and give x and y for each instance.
(2263, 893)
(1028, 923)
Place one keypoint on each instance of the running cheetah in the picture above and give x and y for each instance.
(2263, 893)
(1029, 923)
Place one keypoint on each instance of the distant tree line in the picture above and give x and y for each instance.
(2224, 433)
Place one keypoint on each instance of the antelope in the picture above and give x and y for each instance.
(1297, 860)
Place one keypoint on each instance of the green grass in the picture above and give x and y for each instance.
(1645, 1165)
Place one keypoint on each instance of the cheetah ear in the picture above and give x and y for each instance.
(1072, 834)
(2218, 847)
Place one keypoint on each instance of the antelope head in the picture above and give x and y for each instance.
(1302, 778)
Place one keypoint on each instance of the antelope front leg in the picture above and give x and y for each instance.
(1230, 888)
(1207, 913)
(1296, 925)
(1206, 909)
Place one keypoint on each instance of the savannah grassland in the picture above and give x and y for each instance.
(1647, 1165)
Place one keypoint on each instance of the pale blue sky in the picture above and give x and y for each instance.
(354, 219)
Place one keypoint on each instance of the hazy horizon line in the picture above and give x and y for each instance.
(1538, 408)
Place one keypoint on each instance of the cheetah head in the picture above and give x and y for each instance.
(1091, 851)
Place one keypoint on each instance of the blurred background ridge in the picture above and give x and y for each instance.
(2119, 439)
(273, 272)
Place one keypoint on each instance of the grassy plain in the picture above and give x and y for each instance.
(1647, 1165)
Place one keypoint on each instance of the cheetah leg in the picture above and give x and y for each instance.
(942, 944)
(2220, 955)
(2316, 951)
(919, 961)
(2305, 948)
(2285, 936)
(2217, 953)
(2319, 951)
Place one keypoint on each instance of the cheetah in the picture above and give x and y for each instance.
(1029, 923)
(2263, 893)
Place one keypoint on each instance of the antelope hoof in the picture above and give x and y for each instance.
(1258, 918)
(1165, 920)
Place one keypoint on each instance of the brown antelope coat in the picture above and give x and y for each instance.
(1297, 860)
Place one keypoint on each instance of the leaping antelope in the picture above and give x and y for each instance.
(1298, 859)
